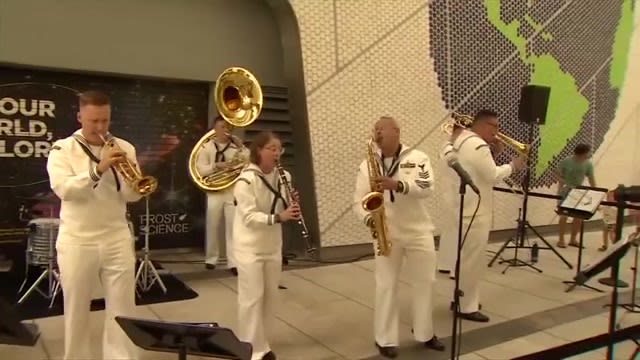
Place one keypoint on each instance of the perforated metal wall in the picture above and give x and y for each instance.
(423, 59)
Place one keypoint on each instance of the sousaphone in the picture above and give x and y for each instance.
(238, 99)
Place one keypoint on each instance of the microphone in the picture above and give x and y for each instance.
(453, 163)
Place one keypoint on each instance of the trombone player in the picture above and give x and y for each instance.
(473, 148)
(217, 156)
(403, 177)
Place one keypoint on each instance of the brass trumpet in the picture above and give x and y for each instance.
(143, 185)
(465, 121)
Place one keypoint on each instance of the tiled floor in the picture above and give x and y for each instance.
(327, 311)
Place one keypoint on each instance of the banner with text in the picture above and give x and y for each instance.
(162, 119)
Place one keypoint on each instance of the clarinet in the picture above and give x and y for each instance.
(303, 226)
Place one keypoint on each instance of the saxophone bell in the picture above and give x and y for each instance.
(373, 201)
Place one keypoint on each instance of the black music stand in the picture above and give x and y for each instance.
(524, 225)
(610, 259)
(622, 194)
(632, 307)
(14, 332)
(582, 203)
(200, 339)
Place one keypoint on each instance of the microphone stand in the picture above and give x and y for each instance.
(457, 293)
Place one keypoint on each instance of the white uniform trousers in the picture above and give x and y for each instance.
(473, 261)
(112, 262)
(220, 213)
(448, 250)
(421, 268)
(257, 300)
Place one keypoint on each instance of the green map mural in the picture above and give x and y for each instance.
(577, 48)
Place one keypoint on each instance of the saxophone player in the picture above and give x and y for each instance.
(260, 211)
(215, 156)
(406, 180)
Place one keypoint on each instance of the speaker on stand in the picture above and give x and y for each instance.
(534, 100)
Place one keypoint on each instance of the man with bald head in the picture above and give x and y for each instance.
(407, 181)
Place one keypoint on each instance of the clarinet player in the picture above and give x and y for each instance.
(257, 239)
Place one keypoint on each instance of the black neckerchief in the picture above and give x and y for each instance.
(87, 150)
(277, 195)
(392, 170)
(220, 153)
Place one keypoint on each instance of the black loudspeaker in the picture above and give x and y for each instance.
(534, 100)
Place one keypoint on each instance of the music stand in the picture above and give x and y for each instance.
(634, 239)
(582, 203)
(523, 226)
(14, 332)
(610, 259)
(200, 339)
(622, 194)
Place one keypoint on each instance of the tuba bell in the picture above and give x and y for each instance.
(238, 99)
(465, 121)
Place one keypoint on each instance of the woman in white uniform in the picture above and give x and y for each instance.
(257, 239)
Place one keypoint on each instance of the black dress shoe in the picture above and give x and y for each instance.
(390, 352)
(444, 271)
(475, 316)
(234, 271)
(269, 356)
(434, 344)
(209, 266)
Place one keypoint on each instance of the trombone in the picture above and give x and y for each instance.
(465, 121)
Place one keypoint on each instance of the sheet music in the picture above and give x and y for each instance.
(583, 200)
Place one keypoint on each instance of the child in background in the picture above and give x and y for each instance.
(609, 214)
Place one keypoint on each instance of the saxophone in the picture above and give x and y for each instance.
(373, 203)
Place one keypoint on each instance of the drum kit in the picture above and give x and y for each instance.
(41, 253)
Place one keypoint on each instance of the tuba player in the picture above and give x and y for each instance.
(216, 156)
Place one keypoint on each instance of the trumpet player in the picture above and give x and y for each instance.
(94, 242)
(473, 150)
(220, 210)
(406, 181)
(257, 239)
